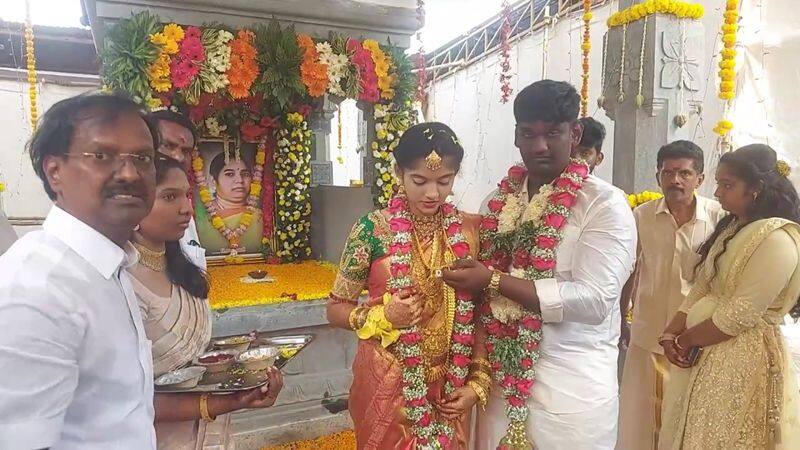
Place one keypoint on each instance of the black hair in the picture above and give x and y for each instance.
(180, 270)
(547, 101)
(171, 116)
(218, 162)
(755, 165)
(418, 141)
(55, 131)
(594, 133)
(681, 149)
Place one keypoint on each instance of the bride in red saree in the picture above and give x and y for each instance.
(420, 365)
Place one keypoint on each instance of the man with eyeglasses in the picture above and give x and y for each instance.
(670, 230)
(75, 363)
(177, 139)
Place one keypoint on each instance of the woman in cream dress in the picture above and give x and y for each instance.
(741, 391)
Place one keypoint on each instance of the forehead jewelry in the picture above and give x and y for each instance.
(433, 161)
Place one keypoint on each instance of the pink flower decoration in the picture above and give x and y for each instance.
(564, 198)
(532, 346)
(400, 248)
(396, 205)
(489, 223)
(413, 361)
(464, 318)
(410, 338)
(555, 220)
(464, 339)
(425, 420)
(543, 264)
(461, 249)
(399, 270)
(526, 363)
(461, 360)
(447, 209)
(516, 401)
(580, 169)
(417, 402)
(517, 173)
(505, 187)
(546, 241)
(444, 441)
(531, 323)
(453, 229)
(508, 381)
(524, 387)
(400, 224)
(566, 183)
(495, 205)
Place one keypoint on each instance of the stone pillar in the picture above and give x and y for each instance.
(671, 88)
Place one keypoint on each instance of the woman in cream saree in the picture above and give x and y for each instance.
(741, 393)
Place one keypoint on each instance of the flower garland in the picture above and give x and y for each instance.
(727, 65)
(232, 235)
(293, 178)
(585, 47)
(505, 55)
(678, 8)
(243, 69)
(362, 59)
(528, 251)
(430, 435)
(390, 122)
(167, 40)
(634, 200)
(30, 58)
(639, 95)
(185, 65)
(213, 74)
(313, 72)
(337, 67)
(383, 64)
(419, 61)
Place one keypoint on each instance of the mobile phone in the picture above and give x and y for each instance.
(694, 355)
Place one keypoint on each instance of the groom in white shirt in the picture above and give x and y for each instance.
(574, 403)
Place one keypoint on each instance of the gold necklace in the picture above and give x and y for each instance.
(427, 225)
(152, 259)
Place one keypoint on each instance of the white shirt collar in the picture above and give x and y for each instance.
(99, 251)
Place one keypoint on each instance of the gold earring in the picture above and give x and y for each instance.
(401, 189)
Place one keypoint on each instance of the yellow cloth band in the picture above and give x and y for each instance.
(377, 326)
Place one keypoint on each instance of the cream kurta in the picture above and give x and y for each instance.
(667, 256)
(724, 401)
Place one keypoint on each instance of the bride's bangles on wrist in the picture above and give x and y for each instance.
(358, 317)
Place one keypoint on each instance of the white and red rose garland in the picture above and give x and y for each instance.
(528, 251)
(429, 433)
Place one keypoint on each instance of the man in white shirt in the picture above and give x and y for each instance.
(75, 364)
(574, 402)
(177, 138)
(671, 230)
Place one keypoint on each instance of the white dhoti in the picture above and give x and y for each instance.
(594, 429)
(641, 394)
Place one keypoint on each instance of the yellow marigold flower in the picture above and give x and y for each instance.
(294, 118)
(261, 158)
(247, 219)
(255, 189)
(197, 164)
(727, 95)
(218, 223)
(586, 46)
(727, 74)
(587, 17)
(729, 38)
(153, 102)
(381, 134)
(173, 32)
(725, 124)
(161, 85)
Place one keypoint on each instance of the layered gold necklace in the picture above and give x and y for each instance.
(152, 259)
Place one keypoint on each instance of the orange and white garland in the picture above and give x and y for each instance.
(585, 47)
(727, 66)
(231, 234)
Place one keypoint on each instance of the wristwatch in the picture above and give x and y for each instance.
(493, 290)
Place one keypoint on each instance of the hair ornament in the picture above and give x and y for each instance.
(433, 161)
(783, 169)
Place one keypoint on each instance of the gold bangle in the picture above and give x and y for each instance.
(493, 289)
(666, 337)
(482, 362)
(480, 392)
(204, 414)
(474, 376)
(357, 317)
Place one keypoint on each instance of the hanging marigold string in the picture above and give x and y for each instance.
(505, 55)
(727, 68)
(31, 60)
(586, 45)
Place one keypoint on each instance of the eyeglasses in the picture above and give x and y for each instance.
(141, 162)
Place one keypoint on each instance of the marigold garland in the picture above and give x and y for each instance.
(243, 69)
(292, 180)
(30, 57)
(727, 65)
(505, 55)
(634, 200)
(521, 238)
(678, 8)
(313, 73)
(586, 45)
(232, 235)
(362, 59)
(383, 66)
